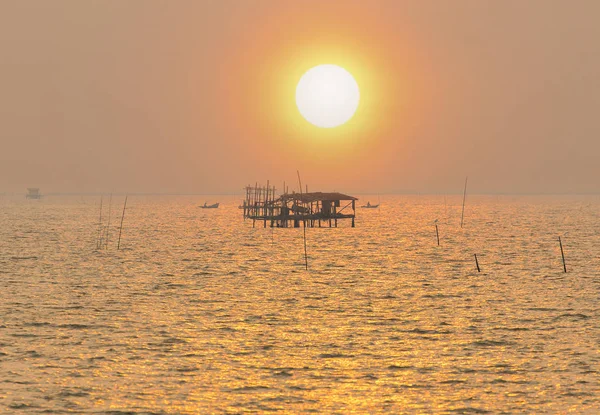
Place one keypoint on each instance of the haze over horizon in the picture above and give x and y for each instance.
(194, 97)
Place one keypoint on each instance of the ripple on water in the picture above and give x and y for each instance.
(194, 315)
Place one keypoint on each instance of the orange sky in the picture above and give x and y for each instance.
(198, 96)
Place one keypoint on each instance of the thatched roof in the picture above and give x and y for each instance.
(318, 196)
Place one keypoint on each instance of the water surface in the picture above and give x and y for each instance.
(201, 313)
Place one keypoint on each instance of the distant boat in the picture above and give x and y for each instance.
(33, 193)
(213, 206)
(370, 206)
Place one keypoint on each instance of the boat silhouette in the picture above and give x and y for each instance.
(213, 206)
(370, 206)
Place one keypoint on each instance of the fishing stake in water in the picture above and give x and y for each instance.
(477, 263)
(437, 233)
(108, 224)
(99, 240)
(121, 227)
(462, 216)
(305, 253)
(562, 253)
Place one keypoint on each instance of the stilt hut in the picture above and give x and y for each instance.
(314, 209)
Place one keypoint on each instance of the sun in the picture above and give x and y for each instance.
(327, 96)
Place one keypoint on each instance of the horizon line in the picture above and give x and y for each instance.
(410, 193)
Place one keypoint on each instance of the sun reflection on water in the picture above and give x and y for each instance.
(200, 313)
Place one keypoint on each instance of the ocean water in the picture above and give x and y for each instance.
(198, 312)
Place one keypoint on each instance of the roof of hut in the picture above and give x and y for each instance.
(318, 196)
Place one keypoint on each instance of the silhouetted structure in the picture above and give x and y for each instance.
(213, 206)
(33, 193)
(289, 209)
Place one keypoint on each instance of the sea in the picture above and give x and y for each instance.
(195, 311)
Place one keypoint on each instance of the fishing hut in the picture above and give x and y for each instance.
(312, 209)
(33, 193)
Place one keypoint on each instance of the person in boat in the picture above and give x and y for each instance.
(204, 204)
(368, 204)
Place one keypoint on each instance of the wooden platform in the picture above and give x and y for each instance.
(312, 209)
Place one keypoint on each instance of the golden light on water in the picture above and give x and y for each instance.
(202, 314)
(440, 300)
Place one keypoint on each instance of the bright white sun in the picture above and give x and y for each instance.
(327, 96)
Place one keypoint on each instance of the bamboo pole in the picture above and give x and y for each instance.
(437, 234)
(255, 199)
(477, 263)
(99, 240)
(108, 223)
(335, 213)
(266, 199)
(243, 206)
(121, 227)
(305, 252)
(299, 181)
(562, 253)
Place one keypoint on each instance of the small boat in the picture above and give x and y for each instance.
(213, 206)
(370, 206)
(33, 193)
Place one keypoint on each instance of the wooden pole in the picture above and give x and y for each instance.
(562, 253)
(255, 210)
(266, 200)
(462, 216)
(437, 234)
(121, 227)
(299, 181)
(99, 240)
(305, 252)
(108, 223)
(245, 203)
(272, 207)
(335, 213)
(477, 263)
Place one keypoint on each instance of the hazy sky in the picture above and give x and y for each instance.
(198, 96)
